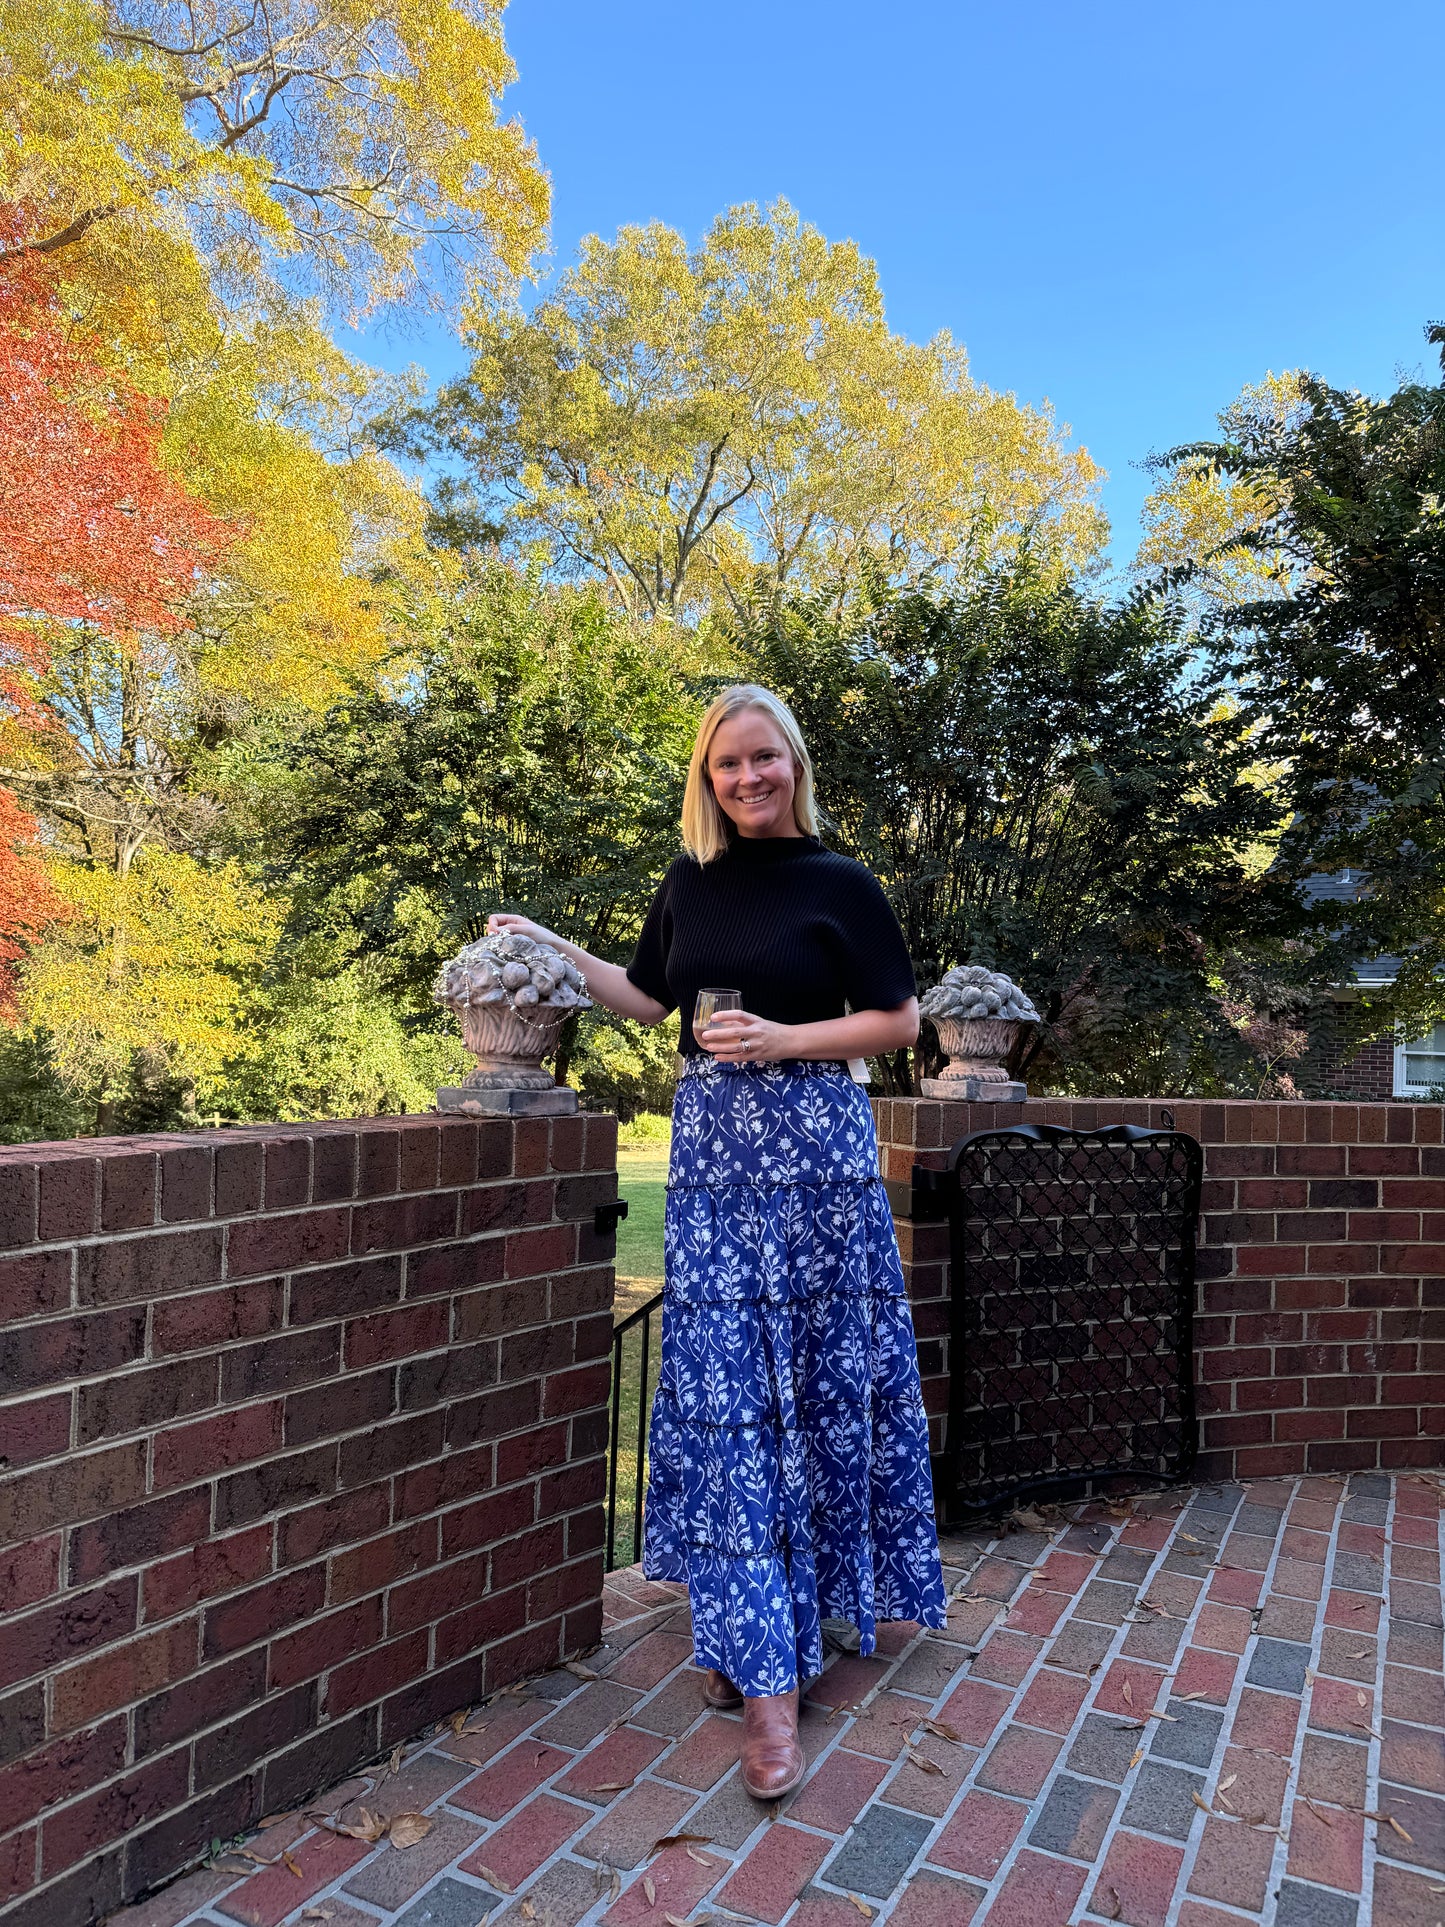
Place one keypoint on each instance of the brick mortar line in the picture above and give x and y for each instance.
(1370, 1844)
(1195, 1840)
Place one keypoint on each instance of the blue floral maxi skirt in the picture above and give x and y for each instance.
(789, 1478)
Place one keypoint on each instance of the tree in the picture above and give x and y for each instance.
(93, 530)
(28, 900)
(1342, 663)
(694, 426)
(1043, 783)
(348, 148)
(526, 753)
(157, 963)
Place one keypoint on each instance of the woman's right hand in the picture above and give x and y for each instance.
(501, 920)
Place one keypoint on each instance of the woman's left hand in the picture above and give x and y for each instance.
(737, 1037)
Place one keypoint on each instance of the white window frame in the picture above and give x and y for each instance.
(1402, 1089)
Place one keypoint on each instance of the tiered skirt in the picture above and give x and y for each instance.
(788, 1448)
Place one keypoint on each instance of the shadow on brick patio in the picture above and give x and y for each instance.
(1187, 1709)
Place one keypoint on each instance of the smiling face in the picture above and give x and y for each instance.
(753, 775)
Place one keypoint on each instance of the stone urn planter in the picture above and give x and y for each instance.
(513, 995)
(978, 1015)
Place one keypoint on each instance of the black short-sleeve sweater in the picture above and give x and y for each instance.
(798, 929)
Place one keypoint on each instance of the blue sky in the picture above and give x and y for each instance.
(1129, 209)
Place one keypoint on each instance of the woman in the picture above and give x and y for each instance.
(788, 1448)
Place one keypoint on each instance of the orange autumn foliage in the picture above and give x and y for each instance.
(93, 529)
(27, 901)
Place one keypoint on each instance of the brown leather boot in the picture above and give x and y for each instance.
(772, 1758)
(719, 1691)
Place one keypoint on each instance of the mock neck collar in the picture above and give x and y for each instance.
(770, 849)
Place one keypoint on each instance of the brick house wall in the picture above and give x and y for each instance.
(301, 1449)
(1320, 1311)
(1369, 1075)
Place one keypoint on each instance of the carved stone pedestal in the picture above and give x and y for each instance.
(475, 1101)
(976, 1090)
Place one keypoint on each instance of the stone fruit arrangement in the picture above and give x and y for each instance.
(978, 1014)
(513, 996)
(513, 970)
(971, 993)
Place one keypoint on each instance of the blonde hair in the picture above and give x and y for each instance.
(704, 826)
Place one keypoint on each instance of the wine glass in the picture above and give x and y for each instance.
(710, 1003)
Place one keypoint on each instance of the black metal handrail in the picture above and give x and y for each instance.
(642, 1316)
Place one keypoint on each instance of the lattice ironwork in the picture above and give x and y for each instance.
(1072, 1303)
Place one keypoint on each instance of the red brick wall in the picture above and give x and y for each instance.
(1320, 1314)
(1369, 1074)
(301, 1448)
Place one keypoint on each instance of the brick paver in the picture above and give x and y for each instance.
(1276, 1758)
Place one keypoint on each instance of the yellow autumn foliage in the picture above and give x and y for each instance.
(160, 959)
(339, 145)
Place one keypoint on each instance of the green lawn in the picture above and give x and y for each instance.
(642, 1174)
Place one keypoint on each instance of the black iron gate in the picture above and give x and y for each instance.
(1070, 1348)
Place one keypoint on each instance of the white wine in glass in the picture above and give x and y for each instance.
(709, 1004)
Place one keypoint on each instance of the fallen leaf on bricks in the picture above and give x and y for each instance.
(580, 1671)
(1171, 1718)
(1397, 1828)
(1203, 1805)
(1323, 1818)
(276, 1820)
(291, 1863)
(922, 1761)
(702, 1859)
(318, 1913)
(458, 1721)
(1362, 1699)
(1309, 1676)
(862, 1906)
(1363, 1653)
(1194, 1696)
(529, 1912)
(1222, 1801)
(1226, 1784)
(614, 1886)
(613, 1786)
(649, 1889)
(1128, 1693)
(1030, 1520)
(1108, 1906)
(494, 1880)
(394, 1763)
(679, 1840)
(408, 1828)
(1138, 1756)
(943, 1731)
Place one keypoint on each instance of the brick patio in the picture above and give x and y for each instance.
(1182, 1710)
